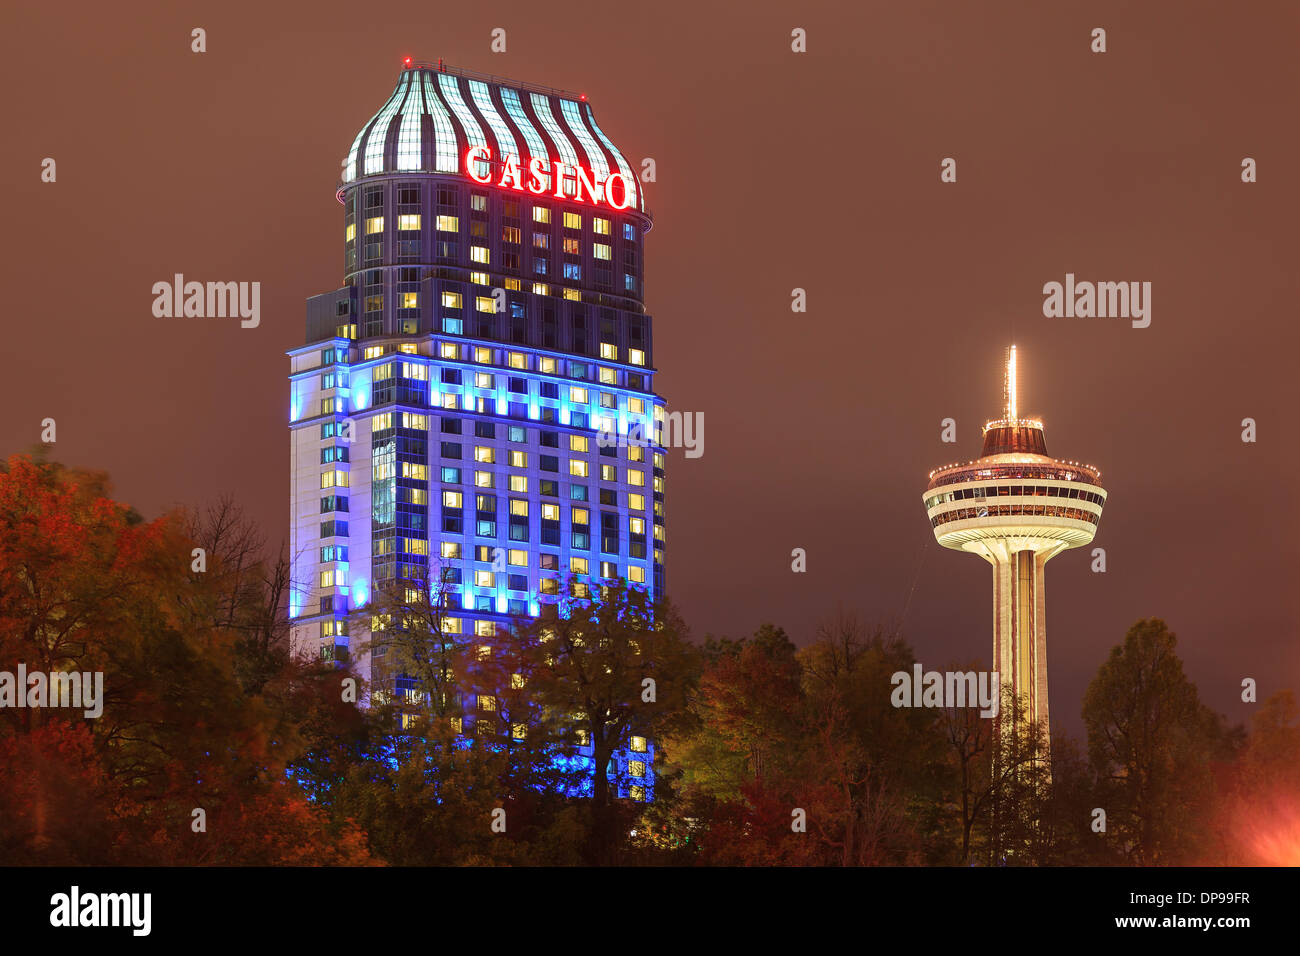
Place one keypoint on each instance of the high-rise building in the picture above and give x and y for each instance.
(459, 399)
(1016, 508)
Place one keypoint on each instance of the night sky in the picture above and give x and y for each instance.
(776, 170)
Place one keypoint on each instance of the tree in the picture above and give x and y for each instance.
(1150, 741)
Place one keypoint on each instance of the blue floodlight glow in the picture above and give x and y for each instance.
(360, 593)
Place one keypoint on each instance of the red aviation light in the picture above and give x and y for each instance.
(407, 61)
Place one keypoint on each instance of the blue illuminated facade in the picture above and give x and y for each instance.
(448, 405)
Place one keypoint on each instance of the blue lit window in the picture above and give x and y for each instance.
(451, 476)
(572, 270)
(453, 326)
(629, 231)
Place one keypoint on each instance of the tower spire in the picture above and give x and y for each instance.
(1009, 385)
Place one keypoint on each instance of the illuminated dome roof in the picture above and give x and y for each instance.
(435, 115)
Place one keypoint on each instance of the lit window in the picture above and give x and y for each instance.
(486, 702)
(541, 214)
(485, 579)
(636, 406)
(541, 288)
(600, 226)
(334, 479)
(450, 550)
(636, 356)
(578, 395)
(351, 231)
(451, 300)
(636, 525)
(635, 477)
(637, 793)
(577, 443)
(479, 254)
(609, 377)
(608, 351)
(635, 453)
(485, 628)
(449, 350)
(636, 575)
(517, 558)
(572, 220)
(638, 745)
(519, 459)
(448, 224)
(600, 250)
(409, 349)
(410, 300)
(577, 468)
(608, 473)
(573, 295)
(484, 479)
(636, 768)
(485, 303)
(579, 515)
(450, 400)
(518, 360)
(483, 354)
(374, 224)
(478, 278)
(636, 502)
(412, 420)
(519, 506)
(374, 351)
(408, 223)
(484, 380)
(411, 470)
(546, 364)
(485, 454)
(578, 565)
(451, 499)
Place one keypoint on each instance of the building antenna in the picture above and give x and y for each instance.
(1009, 397)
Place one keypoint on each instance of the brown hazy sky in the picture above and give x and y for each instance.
(775, 171)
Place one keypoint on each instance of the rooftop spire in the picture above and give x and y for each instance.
(1009, 385)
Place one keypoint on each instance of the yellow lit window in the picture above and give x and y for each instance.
(637, 793)
(636, 768)
(518, 731)
(334, 479)
(450, 401)
(541, 288)
(485, 303)
(636, 356)
(485, 579)
(636, 575)
(550, 586)
(636, 502)
(380, 422)
(351, 231)
(374, 224)
(541, 214)
(486, 702)
(608, 376)
(411, 470)
(600, 226)
(578, 565)
(484, 479)
(516, 681)
(519, 506)
(635, 453)
(451, 499)
(519, 484)
(448, 224)
(485, 628)
(416, 546)
(451, 300)
(578, 395)
(450, 550)
(577, 468)
(550, 512)
(409, 349)
(636, 406)
(600, 250)
(416, 371)
(636, 525)
(579, 515)
(482, 354)
(419, 496)
(573, 295)
(478, 278)
(449, 350)
(413, 420)
(479, 254)
(659, 484)
(572, 220)
(608, 351)
(659, 459)
(546, 364)
(374, 351)
(485, 454)
(484, 379)
(638, 745)
(577, 443)
(519, 459)
(608, 473)
(518, 360)
(410, 300)
(409, 223)
(635, 477)
(451, 625)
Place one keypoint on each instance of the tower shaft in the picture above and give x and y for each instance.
(1020, 627)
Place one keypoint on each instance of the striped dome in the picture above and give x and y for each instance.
(434, 116)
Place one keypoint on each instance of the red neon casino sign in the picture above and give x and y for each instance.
(568, 182)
